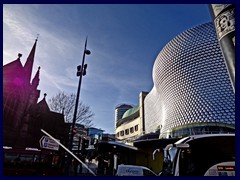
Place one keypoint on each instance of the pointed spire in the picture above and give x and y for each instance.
(42, 105)
(35, 81)
(29, 63)
(19, 56)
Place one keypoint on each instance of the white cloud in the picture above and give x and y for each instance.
(17, 25)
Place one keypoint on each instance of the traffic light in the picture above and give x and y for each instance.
(84, 69)
(79, 70)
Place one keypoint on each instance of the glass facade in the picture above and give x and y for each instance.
(192, 88)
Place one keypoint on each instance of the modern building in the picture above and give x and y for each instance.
(120, 110)
(95, 135)
(131, 126)
(192, 92)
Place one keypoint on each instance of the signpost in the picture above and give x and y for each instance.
(58, 142)
(47, 143)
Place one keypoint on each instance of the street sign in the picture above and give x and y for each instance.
(47, 143)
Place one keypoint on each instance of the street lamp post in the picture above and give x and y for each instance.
(224, 21)
(81, 71)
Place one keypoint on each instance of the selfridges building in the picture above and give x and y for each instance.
(192, 92)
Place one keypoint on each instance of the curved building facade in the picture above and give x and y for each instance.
(120, 110)
(192, 92)
(131, 126)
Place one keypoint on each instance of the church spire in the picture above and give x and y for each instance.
(35, 81)
(29, 63)
(19, 56)
(42, 105)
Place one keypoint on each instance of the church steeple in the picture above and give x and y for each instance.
(42, 105)
(29, 63)
(35, 81)
(19, 56)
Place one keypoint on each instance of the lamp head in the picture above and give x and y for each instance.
(87, 52)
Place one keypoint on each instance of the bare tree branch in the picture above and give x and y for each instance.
(65, 103)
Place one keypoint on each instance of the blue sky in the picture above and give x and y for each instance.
(124, 40)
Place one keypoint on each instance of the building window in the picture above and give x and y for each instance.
(131, 130)
(127, 131)
(121, 133)
(136, 128)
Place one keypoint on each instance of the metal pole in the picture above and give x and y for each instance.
(77, 99)
(76, 105)
(224, 21)
(67, 151)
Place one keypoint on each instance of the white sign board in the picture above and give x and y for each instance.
(115, 161)
(47, 143)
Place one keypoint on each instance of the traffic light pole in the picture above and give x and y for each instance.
(80, 74)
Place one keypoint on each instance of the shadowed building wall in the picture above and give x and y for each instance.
(23, 116)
